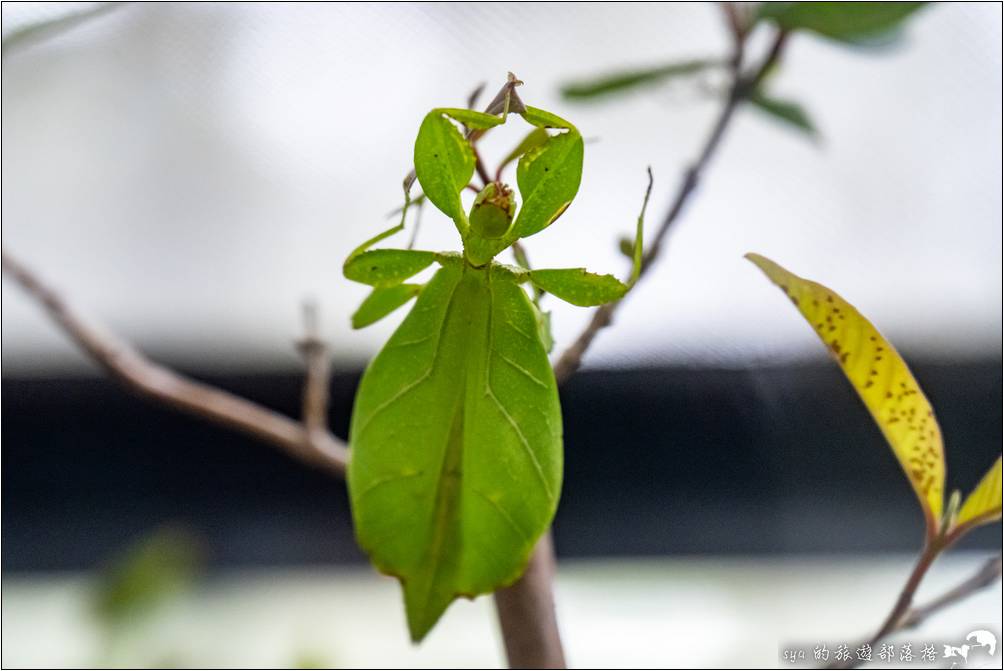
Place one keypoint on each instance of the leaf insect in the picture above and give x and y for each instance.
(456, 435)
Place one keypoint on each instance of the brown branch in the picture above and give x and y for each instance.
(904, 615)
(902, 605)
(318, 373)
(525, 609)
(526, 614)
(988, 574)
(739, 90)
(505, 101)
(124, 363)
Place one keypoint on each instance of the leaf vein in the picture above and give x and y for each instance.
(522, 370)
(504, 515)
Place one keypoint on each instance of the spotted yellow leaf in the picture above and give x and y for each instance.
(984, 503)
(882, 380)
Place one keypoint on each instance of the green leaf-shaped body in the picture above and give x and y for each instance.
(456, 442)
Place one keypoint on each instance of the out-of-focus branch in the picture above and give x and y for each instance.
(130, 367)
(318, 373)
(525, 609)
(989, 574)
(739, 90)
(905, 616)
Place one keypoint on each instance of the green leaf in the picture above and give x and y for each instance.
(983, 505)
(789, 112)
(622, 82)
(548, 178)
(852, 22)
(381, 302)
(444, 165)
(472, 119)
(534, 139)
(32, 32)
(544, 119)
(882, 380)
(150, 572)
(386, 267)
(578, 286)
(544, 328)
(638, 251)
(456, 442)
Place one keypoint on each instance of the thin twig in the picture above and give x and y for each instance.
(989, 574)
(505, 101)
(904, 616)
(531, 591)
(318, 373)
(571, 358)
(479, 166)
(902, 605)
(472, 99)
(124, 363)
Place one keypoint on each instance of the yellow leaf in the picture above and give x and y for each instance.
(984, 503)
(882, 380)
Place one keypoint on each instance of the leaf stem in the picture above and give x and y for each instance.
(903, 602)
(905, 616)
(988, 574)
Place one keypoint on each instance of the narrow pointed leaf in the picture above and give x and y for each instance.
(544, 329)
(472, 119)
(381, 302)
(544, 119)
(638, 252)
(850, 22)
(622, 82)
(983, 505)
(784, 110)
(579, 286)
(880, 377)
(444, 164)
(548, 178)
(456, 443)
(386, 267)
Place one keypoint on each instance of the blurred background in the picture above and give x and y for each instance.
(189, 174)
